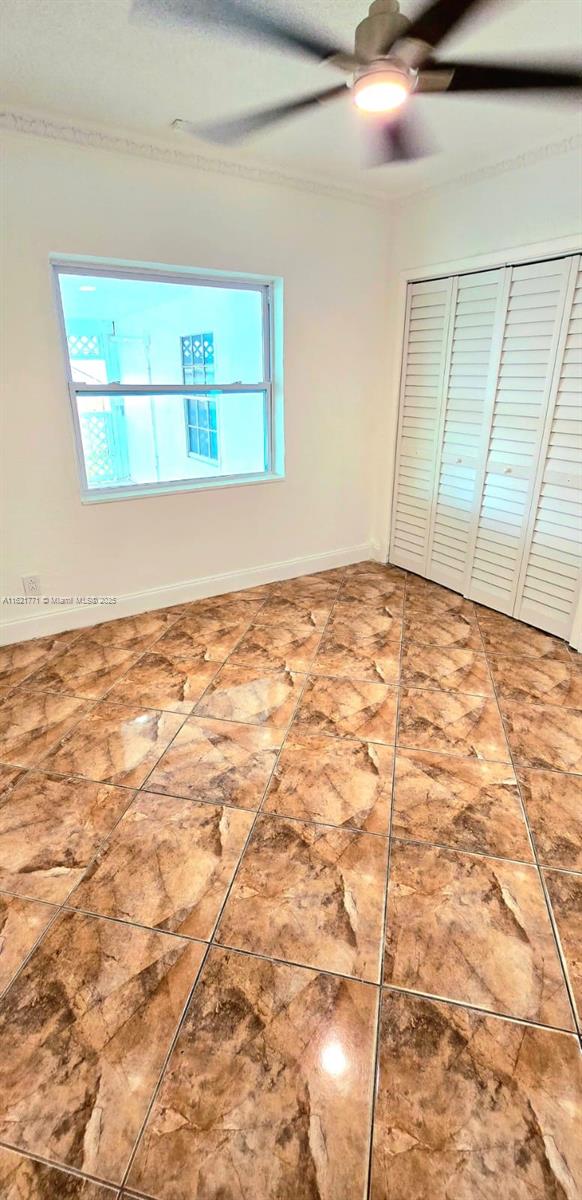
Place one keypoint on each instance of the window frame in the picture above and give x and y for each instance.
(267, 387)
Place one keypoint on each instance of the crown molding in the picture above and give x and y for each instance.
(529, 158)
(94, 138)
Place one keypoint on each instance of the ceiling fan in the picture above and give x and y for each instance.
(393, 60)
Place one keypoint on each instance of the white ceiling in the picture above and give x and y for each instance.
(84, 59)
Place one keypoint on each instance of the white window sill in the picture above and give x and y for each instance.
(141, 491)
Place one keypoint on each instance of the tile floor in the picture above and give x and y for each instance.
(291, 901)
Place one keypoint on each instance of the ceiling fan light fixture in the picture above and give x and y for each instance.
(382, 89)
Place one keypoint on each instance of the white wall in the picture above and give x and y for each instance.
(332, 256)
(493, 216)
(342, 267)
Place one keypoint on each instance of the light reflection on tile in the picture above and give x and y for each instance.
(116, 743)
(271, 1081)
(219, 761)
(249, 694)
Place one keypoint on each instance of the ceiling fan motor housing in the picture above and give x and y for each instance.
(383, 26)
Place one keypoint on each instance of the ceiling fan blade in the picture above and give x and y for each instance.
(398, 139)
(432, 25)
(227, 132)
(485, 77)
(243, 18)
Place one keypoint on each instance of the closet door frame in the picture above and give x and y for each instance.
(508, 259)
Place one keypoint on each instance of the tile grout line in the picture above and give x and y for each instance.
(302, 733)
(60, 907)
(446, 999)
(211, 943)
(25, 685)
(62, 1168)
(51, 658)
(553, 924)
(150, 648)
(496, 1014)
(276, 816)
(143, 785)
(376, 1045)
(293, 962)
(561, 870)
(166, 1060)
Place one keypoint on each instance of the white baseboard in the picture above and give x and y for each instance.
(37, 623)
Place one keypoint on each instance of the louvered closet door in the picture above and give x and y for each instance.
(425, 341)
(530, 341)
(478, 306)
(552, 565)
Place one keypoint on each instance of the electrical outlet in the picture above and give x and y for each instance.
(31, 585)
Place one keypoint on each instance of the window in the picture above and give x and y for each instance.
(198, 358)
(201, 414)
(202, 427)
(157, 407)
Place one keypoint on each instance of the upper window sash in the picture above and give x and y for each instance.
(257, 319)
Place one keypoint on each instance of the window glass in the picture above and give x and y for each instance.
(146, 331)
(137, 440)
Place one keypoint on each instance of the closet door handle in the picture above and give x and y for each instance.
(508, 470)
